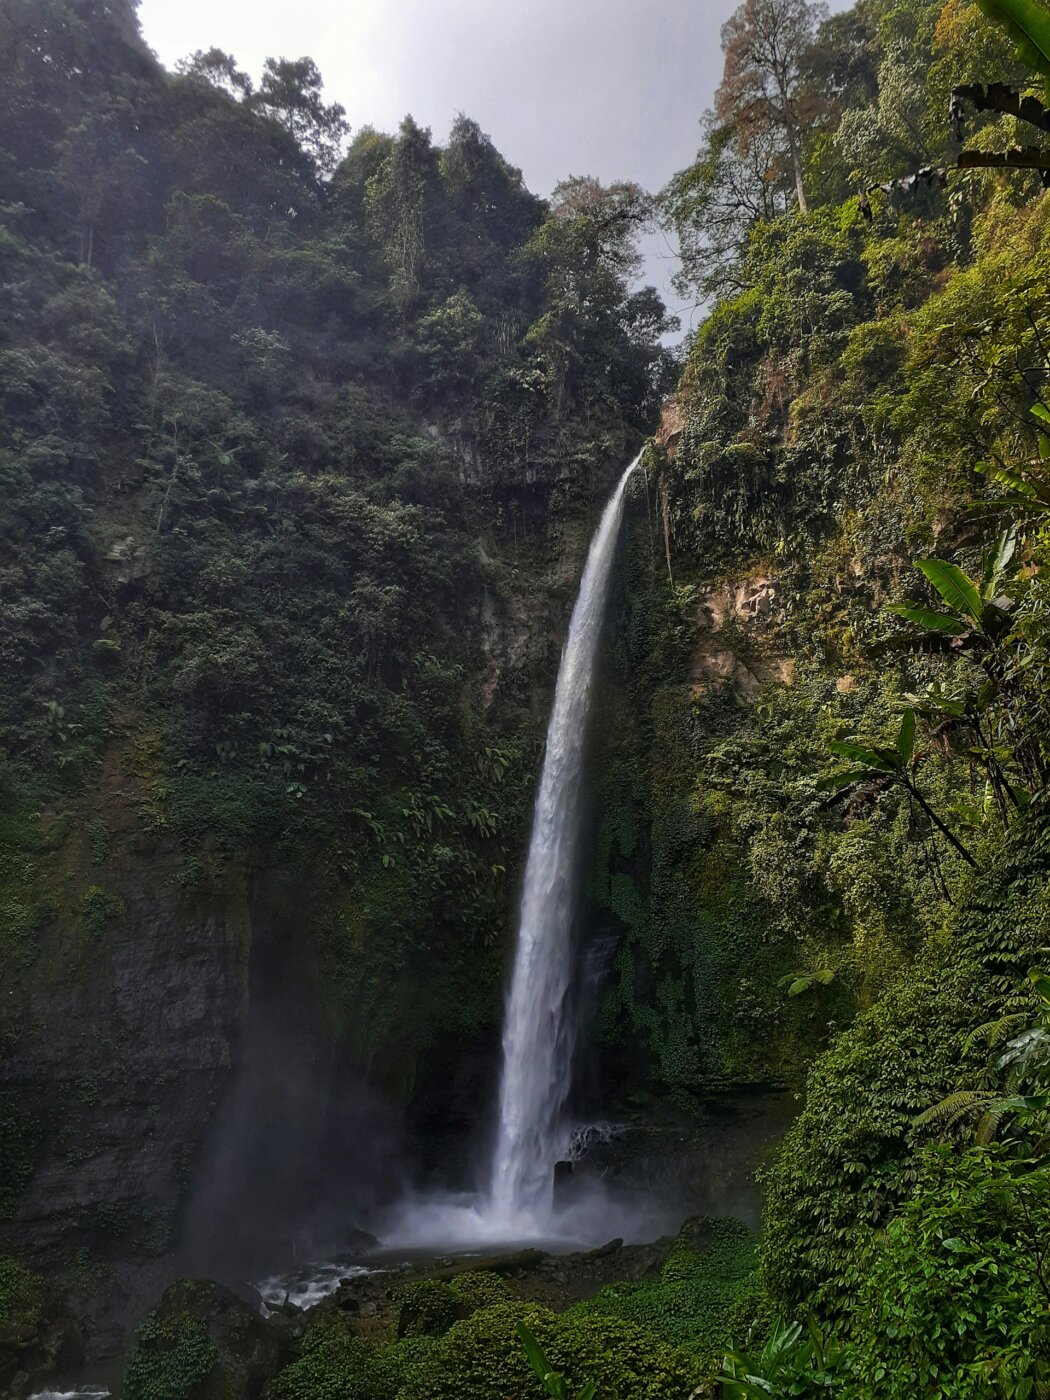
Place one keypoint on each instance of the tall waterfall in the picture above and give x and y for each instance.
(539, 1031)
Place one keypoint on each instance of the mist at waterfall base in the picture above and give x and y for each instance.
(534, 1131)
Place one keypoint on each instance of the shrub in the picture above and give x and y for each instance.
(482, 1357)
(334, 1364)
(700, 1297)
(427, 1308)
(170, 1359)
(953, 1301)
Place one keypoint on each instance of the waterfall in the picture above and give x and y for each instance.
(539, 1031)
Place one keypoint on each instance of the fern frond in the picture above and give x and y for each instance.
(964, 1103)
(988, 1126)
(994, 1033)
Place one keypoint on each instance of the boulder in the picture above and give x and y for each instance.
(215, 1344)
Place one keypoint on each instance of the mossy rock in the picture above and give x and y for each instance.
(429, 1307)
(478, 1288)
(482, 1357)
(38, 1334)
(202, 1343)
(333, 1363)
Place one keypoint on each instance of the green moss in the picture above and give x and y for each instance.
(22, 1297)
(170, 1360)
(98, 912)
(19, 1136)
(99, 840)
(482, 1357)
(700, 1297)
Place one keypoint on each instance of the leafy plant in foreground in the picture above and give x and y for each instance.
(1022, 1095)
(893, 766)
(553, 1382)
(1028, 24)
(791, 1363)
(980, 624)
(1027, 483)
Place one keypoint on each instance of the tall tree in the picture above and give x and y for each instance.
(765, 44)
(290, 92)
(713, 203)
(616, 214)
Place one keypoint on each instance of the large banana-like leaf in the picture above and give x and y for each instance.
(835, 782)
(1028, 23)
(997, 561)
(871, 758)
(1015, 480)
(926, 617)
(954, 587)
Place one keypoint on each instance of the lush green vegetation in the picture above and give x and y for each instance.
(863, 410)
(282, 422)
(300, 434)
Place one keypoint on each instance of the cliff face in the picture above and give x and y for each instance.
(121, 1020)
(208, 1051)
(213, 1051)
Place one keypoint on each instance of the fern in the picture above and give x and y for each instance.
(962, 1104)
(995, 1033)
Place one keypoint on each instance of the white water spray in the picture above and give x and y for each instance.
(539, 1029)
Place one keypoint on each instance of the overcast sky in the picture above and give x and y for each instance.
(611, 88)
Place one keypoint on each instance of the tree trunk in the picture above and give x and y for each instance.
(796, 161)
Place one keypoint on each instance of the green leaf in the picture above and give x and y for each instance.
(953, 586)
(832, 782)
(1005, 477)
(533, 1350)
(926, 617)
(1041, 412)
(997, 563)
(871, 758)
(1028, 25)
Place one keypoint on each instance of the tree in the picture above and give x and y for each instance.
(218, 68)
(765, 44)
(898, 129)
(616, 215)
(397, 199)
(290, 93)
(713, 203)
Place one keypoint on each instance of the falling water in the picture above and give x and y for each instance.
(539, 1031)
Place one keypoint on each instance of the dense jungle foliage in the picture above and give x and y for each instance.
(301, 431)
(279, 413)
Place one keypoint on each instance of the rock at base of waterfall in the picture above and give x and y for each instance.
(248, 1349)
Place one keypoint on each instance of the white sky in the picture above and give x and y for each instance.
(611, 88)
